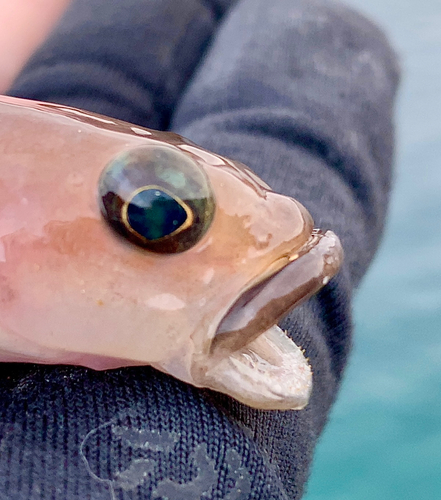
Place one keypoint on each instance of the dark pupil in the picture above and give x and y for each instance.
(154, 214)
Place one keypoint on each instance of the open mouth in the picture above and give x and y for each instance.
(255, 361)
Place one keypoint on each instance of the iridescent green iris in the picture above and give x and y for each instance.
(157, 197)
(154, 214)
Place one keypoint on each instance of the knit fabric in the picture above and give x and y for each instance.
(301, 91)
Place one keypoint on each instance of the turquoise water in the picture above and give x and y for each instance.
(383, 441)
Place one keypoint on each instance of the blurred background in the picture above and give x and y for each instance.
(383, 440)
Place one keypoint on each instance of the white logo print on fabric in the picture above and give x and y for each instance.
(160, 445)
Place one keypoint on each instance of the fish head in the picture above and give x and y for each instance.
(123, 246)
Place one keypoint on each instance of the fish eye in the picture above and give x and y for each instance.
(157, 197)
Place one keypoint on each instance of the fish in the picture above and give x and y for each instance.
(125, 246)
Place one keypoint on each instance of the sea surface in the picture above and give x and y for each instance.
(383, 440)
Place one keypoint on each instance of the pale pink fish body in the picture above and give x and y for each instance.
(74, 291)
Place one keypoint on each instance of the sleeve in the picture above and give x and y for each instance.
(301, 91)
(129, 60)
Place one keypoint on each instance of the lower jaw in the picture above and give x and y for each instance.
(269, 373)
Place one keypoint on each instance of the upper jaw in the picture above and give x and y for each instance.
(264, 303)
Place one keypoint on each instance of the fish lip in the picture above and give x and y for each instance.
(309, 269)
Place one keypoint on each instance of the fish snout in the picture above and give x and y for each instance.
(284, 222)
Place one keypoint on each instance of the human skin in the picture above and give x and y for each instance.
(25, 24)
